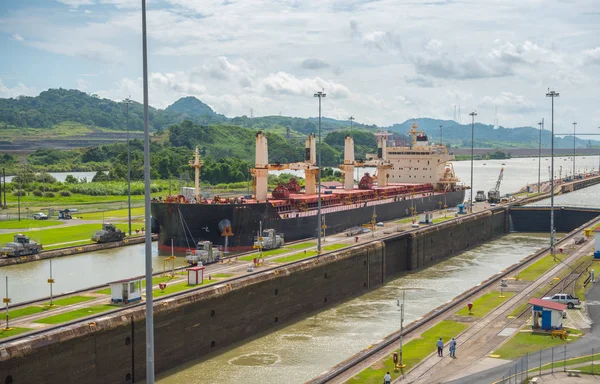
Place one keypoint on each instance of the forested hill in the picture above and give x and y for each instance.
(57, 106)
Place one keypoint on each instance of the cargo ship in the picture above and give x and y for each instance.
(408, 180)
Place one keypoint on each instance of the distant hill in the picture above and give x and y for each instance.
(486, 136)
(63, 107)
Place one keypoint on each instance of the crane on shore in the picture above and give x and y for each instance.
(494, 193)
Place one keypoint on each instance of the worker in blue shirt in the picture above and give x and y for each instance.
(387, 379)
(440, 347)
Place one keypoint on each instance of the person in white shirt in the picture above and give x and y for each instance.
(387, 379)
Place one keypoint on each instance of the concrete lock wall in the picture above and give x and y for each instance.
(112, 349)
(537, 219)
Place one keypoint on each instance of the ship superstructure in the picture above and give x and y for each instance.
(407, 179)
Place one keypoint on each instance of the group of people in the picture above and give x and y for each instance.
(451, 347)
(387, 379)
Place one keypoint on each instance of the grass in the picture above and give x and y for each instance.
(70, 300)
(298, 256)
(486, 303)
(414, 351)
(271, 252)
(441, 219)
(589, 368)
(76, 314)
(577, 360)
(109, 215)
(221, 275)
(61, 235)
(301, 246)
(105, 291)
(527, 342)
(407, 220)
(26, 311)
(579, 288)
(12, 332)
(178, 287)
(540, 267)
(28, 223)
(335, 247)
(155, 281)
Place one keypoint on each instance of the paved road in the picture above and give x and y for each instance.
(580, 347)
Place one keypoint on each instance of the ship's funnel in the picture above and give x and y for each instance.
(262, 161)
(349, 163)
(310, 150)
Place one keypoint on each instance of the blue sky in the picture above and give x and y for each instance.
(382, 61)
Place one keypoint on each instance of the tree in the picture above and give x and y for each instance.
(70, 179)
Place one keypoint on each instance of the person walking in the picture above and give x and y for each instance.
(453, 348)
(440, 347)
(387, 379)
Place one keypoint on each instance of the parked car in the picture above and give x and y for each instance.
(40, 216)
(564, 298)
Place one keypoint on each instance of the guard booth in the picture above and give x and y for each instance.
(547, 315)
(196, 275)
(127, 290)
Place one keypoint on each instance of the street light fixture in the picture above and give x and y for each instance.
(473, 114)
(552, 95)
(574, 126)
(128, 101)
(320, 95)
(541, 124)
(351, 118)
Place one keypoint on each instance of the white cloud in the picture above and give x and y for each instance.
(508, 100)
(376, 39)
(285, 83)
(76, 3)
(82, 84)
(17, 37)
(87, 12)
(18, 90)
(592, 56)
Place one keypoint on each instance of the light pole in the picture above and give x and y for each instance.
(574, 126)
(441, 134)
(400, 359)
(541, 124)
(148, 240)
(552, 95)
(128, 101)
(473, 114)
(320, 95)
(351, 118)
(5, 178)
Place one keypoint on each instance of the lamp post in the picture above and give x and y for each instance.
(541, 124)
(351, 118)
(128, 101)
(320, 95)
(574, 126)
(4, 177)
(401, 305)
(148, 242)
(552, 95)
(473, 114)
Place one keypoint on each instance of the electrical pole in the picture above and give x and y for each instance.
(574, 125)
(473, 114)
(541, 124)
(128, 101)
(552, 95)
(351, 118)
(320, 95)
(148, 244)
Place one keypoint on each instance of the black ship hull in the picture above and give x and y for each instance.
(183, 225)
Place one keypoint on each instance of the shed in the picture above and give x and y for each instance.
(547, 315)
(196, 275)
(126, 290)
(597, 243)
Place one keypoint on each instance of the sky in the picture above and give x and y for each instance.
(382, 62)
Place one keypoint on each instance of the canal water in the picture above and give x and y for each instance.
(29, 281)
(587, 197)
(302, 350)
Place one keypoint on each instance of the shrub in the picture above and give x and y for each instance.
(49, 194)
(19, 192)
(38, 193)
(65, 193)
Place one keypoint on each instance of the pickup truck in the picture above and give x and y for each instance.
(564, 298)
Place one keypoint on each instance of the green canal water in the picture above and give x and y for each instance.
(300, 351)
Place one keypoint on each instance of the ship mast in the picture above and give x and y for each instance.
(197, 164)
